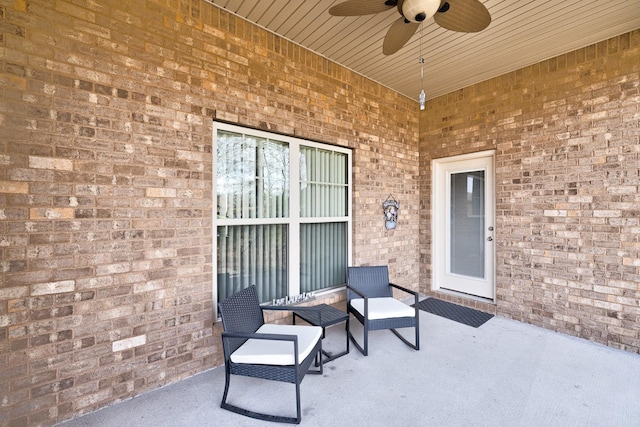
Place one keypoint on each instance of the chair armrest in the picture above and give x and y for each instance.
(287, 308)
(292, 308)
(364, 297)
(254, 335)
(356, 291)
(409, 291)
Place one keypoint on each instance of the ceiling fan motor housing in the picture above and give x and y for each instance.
(418, 10)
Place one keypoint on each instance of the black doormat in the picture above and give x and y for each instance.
(458, 313)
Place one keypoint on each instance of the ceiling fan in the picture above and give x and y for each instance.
(468, 16)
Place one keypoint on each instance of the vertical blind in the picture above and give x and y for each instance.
(323, 194)
(252, 255)
(323, 183)
(255, 216)
(323, 257)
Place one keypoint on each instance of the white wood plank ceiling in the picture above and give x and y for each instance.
(521, 33)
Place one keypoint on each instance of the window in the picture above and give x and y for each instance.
(283, 213)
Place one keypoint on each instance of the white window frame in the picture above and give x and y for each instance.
(294, 220)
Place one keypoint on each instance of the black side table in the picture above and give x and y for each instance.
(324, 316)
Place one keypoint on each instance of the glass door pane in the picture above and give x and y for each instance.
(467, 224)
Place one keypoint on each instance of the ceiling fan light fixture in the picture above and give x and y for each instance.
(419, 10)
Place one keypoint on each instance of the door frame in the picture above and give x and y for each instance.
(438, 229)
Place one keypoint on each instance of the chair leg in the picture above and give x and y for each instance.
(346, 328)
(365, 348)
(259, 415)
(417, 330)
(266, 417)
(366, 338)
(298, 406)
(227, 379)
(415, 346)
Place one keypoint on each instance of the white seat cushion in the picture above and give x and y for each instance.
(270, 352)
(384, 308)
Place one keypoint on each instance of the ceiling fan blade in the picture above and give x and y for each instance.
(399, 33)
(360, 7)
(467, 16)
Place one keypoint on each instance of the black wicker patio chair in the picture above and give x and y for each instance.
(370, 299)
(269, 351)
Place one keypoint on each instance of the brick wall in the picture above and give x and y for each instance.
(105, 186)
(566, 134)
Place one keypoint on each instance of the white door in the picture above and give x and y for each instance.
(463, 225)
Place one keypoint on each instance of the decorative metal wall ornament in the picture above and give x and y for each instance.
(390, 207)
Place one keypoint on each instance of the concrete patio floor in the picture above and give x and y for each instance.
(504, 373)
